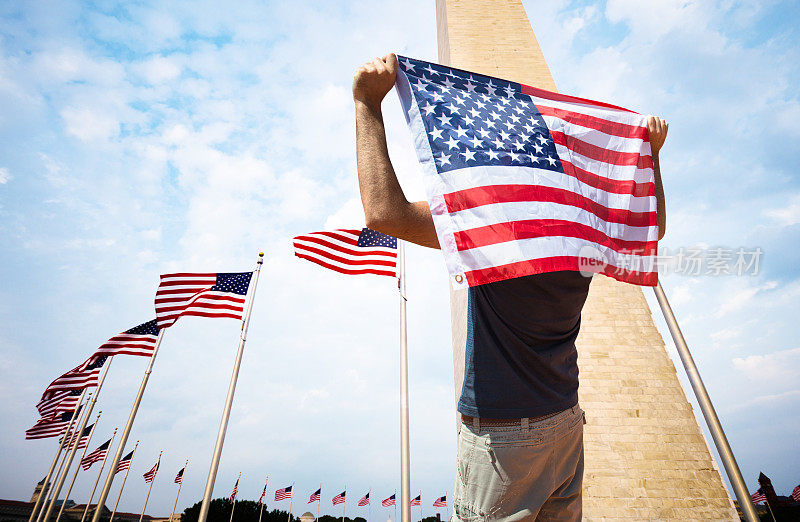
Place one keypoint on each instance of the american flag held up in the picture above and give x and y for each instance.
(522, 181)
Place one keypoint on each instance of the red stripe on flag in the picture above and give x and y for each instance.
(533, 228)
(606, 184)
(334, 257)
(190, 274)
(602, 154)
(490, 195)
(211, 314)
(335, 268)
(187, 282)
(341, 234)
(206, 305)
(192, 290)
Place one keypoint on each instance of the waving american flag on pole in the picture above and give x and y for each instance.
(522, 181)
(235, 491)
(85, 375)
(201, 294)
(283, 493)
(95, 456)
(125, 462)
(351, 252)
(51, 426)
(57, 402)
(151, 475)
(139, 340)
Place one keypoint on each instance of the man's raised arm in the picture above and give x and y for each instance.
(386, 208)
(657, 129)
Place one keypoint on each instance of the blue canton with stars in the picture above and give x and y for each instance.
(370, 238)
(148, 328)
(236, 283)
(473, 120)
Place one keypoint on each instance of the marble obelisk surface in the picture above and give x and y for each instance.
(646, 458)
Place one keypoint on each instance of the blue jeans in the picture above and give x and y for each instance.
(529, 471)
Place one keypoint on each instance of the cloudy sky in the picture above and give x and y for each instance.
(188, 136)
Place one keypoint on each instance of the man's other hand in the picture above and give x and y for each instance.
(658, 132)
(374, 79)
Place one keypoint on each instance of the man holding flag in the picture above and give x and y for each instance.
(520, 192)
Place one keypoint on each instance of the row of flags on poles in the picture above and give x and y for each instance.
(286, 493)
(179, 294)
(215, 295)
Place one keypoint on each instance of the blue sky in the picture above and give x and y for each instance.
(179, 136)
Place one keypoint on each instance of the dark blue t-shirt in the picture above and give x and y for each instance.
(520, 358)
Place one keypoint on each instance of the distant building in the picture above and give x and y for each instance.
(307, 517)
(37, 491)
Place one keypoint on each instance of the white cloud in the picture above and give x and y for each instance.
(742, 298)
(89, 125)
(5, 176)
(773, 370)
(786, 215)
(159, 69)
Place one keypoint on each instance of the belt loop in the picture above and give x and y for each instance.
(476, 424)
(525, 421)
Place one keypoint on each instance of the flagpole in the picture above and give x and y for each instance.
(704, 401)
(99, 474)
(319, 501)
(74, 440)
(158, 465)
(78, 467)
(420, 506)
(180, 485)
(369, 505)
(770, 510)
(67, 438)
(405, 459)
(124, 480)
(234, 497)
(265, 497)
(45, 489)
(127, 430)
(226, 413)
(291, 499)
(395, 505)
(446, 508)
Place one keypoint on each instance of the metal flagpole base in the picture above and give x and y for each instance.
(712, 421)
